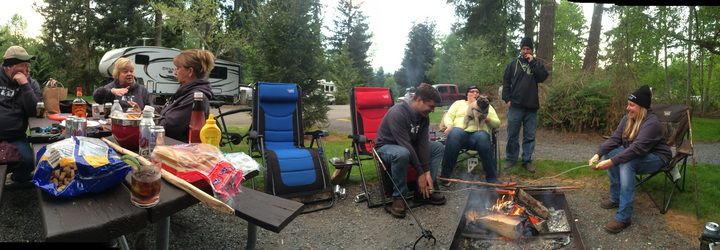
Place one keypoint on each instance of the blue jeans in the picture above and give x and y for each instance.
(27, 154)
(526, 119)
(458, 139)
(622, 180)
(397, 158)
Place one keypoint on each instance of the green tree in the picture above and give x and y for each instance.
(379, 78)
(419, 54)
(493, 20)
(569, 28)
(351, 34)
(288, 48)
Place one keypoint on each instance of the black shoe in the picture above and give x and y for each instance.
(530, 168)
(435, 199)
(509, 165)
(398, 208)
(18, 185)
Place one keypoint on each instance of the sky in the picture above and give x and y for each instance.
(389, 21)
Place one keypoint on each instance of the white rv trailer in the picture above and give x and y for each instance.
(154, 68)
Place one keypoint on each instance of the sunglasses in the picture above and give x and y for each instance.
(474, 91)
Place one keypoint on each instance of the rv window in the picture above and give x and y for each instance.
(219, 73)
(142, 59)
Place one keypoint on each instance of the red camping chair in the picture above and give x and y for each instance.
(368, 106)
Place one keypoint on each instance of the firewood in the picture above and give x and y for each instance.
(505, 225)
(531, 205)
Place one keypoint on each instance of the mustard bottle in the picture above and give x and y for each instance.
(210, 133)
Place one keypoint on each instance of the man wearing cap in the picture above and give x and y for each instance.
(637, 146)
(19, 95)
(471, 137)
(520, 93)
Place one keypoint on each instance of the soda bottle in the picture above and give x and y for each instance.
(145, 124)
(79, 106)
(197, 118)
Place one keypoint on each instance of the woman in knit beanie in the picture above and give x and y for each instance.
(637, 146)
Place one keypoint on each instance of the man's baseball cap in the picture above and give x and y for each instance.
(15, 55)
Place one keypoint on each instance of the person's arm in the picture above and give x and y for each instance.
(540, 74)
(31, 95)
(449, 117)
(649, 135)
(492, 118)
(507, 82)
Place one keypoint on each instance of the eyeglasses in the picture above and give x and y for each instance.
(474, 91)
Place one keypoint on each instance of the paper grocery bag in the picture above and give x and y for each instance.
(53, 93)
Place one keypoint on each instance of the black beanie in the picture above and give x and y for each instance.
(642, 96)
(526, 41)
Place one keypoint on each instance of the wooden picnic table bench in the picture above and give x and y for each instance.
(104, 216)
(3, 173)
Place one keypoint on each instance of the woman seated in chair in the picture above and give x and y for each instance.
(467, 135)
(637, 146)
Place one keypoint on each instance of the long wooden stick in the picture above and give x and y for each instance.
(180, 183)
(502, 185)
(692, 156)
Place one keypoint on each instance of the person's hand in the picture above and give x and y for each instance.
(593, 160)
(604, 165)
(135, 106)
(448, 129)
(425, 184)
(119, 91)
(20, 78)
(507, 104)
(529, 57)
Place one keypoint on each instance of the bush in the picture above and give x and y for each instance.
(574, 105)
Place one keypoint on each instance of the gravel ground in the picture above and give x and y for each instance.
(352, 225)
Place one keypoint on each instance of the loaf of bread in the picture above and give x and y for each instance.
(188, 157)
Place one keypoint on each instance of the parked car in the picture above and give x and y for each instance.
(449, 93)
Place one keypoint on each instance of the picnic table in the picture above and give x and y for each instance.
(108, 215)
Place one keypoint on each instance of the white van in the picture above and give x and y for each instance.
(154, 68)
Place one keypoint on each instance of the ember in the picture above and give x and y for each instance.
(515, 218)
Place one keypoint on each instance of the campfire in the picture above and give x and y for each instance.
(515, 218)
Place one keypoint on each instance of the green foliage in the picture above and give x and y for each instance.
(288, 48)
(491, 20)
(393, 86)
(575, 104)
(470, 62)
(419, 55)
(351, 38)
(568, 41)
(706, 129)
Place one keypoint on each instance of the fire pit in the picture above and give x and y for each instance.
(497, 220)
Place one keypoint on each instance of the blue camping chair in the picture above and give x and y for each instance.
(293, 170)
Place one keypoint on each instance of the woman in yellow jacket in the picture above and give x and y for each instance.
(458, 136)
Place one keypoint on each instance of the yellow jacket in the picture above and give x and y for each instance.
(456, 117)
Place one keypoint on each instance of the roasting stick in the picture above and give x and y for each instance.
(180, 183)
(502, 185)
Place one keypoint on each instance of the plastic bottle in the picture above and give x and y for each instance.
(210, 133)
(197, 118)
(79, 106)
(145, 123)
(116, 110)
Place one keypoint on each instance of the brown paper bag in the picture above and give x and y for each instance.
(53, 93)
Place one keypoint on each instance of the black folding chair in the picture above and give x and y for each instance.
(676, 125)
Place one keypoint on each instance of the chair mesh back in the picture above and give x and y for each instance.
(674, 119)
(280, 113)
(368, 106)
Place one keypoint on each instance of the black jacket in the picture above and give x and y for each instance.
(17, 103)
(175, 114)
(520, 82)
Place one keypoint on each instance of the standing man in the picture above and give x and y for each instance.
(19, 95)
(403, 139)
(520, 93)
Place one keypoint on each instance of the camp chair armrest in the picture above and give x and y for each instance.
(358, 138)
(318, 133)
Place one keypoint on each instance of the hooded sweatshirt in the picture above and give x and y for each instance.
(520, 82)
(401, 126)
(650, 139)
(175, 114)
(17, 103)
(105, 95)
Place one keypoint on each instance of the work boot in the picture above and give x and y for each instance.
(530, 168)
(608, 204)
(509, 165)
(616, 226)
(398, 208)
(435, 198)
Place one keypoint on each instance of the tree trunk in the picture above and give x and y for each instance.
(529, 18)
(591, 52)
(158, 28)
(689, 56)
(547, 30)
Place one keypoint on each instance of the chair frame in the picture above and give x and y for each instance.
(682, 152)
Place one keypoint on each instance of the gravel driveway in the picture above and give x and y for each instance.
(352, 225)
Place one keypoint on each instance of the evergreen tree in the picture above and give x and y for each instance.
(419, 54)
(351, 37)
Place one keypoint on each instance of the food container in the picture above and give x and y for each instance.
(126, 131)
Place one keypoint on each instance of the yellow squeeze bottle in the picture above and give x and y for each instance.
(210, 133)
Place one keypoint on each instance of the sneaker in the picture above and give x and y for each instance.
(398, 208)
(509, 165)
(608, 204)
(530, 168)
(435, 198)
(616, 226)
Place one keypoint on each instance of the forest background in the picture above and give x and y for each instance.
(671, 48)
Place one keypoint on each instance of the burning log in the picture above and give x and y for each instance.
(531, 205)
(509, 226)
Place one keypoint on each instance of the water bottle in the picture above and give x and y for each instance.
(145, 123)
(116, 110)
